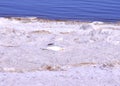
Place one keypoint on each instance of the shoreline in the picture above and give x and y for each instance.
(59, 20)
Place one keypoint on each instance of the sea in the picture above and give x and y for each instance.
(83, 10)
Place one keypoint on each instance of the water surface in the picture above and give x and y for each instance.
(88, 10)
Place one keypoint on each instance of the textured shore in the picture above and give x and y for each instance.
(58, 53)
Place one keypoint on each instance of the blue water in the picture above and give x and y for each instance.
(86, 10)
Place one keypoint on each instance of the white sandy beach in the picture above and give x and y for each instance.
(36, 52)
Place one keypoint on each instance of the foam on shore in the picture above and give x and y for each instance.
(33, 23)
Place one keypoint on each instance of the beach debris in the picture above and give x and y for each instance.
(50, 44)
(85, 27)
(7, 69)
(64, 32)
(51, 68)
(41, 31)
(55, 48)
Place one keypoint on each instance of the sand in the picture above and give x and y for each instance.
(36, 52)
